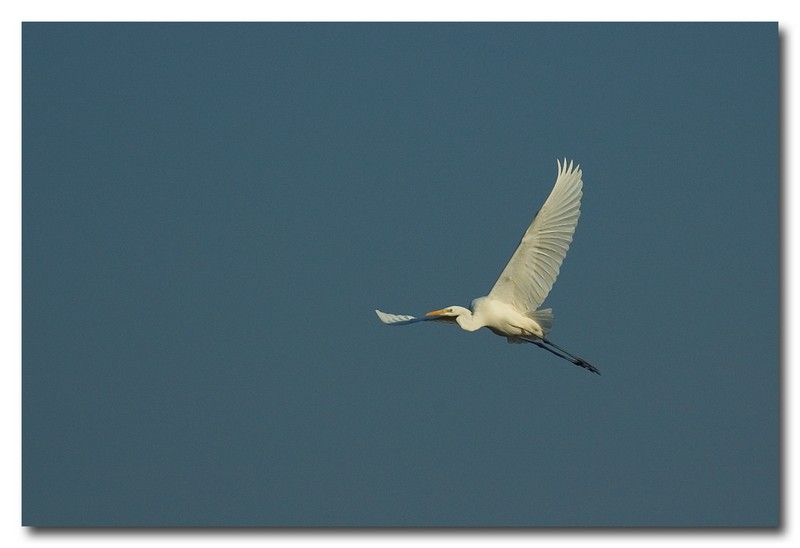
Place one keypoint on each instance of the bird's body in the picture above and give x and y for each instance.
(511, 309)
(500, 317)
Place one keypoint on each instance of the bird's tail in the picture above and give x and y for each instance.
(544, 318)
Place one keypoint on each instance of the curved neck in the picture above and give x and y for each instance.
(467, 321)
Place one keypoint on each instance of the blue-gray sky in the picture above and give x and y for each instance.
(212, 212)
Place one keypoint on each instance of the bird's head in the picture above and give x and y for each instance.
(450, 311)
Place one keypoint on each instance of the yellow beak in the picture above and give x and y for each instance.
(436, 312)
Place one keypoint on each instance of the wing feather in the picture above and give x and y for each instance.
(404, 319)
(533, 268)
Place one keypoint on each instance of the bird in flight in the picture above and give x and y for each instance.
(511, 309)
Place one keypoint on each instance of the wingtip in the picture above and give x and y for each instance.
(395, 319)
(384, 317)
(567, 166)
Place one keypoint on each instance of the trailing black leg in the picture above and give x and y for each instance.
(561, 353)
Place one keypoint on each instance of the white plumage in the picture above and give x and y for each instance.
(533, 268)
(511, 309)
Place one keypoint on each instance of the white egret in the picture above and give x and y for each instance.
(511, 307)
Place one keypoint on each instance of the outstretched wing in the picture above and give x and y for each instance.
(533, 269)
(402, 319)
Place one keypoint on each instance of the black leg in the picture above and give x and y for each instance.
(561, 353)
